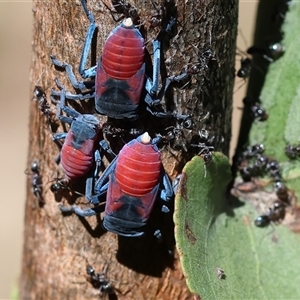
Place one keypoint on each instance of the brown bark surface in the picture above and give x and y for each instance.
(57, 248)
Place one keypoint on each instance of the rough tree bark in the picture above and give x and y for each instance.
(57, 248)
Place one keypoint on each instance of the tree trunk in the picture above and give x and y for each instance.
(58, 248)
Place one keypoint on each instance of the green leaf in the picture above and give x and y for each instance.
(281, 93)
(258, 263)
(281, 98)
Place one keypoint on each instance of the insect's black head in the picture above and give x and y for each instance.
(262, 221)
(55, 187)
(35, 166)
(39, 93)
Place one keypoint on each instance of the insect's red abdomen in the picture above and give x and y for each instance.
(123, 52)
(75, 162)
(138, 169)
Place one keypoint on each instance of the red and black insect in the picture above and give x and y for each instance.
(120, 76)
(132, 182)
(36, 180)
(80, 150)
(77, 153)
(120, 83)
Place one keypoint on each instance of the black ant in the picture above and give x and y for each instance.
(258, 166)
(175, 134)
(275, 214)
(250, 152)
(245, 69)
(205, 146)
(43, 105)
(273, 169)
(248, 172)
(36, 181)
(282, 192)
(161, 18)
(270, 53)
(292, 152)
(100, 281)
(261, 164)
(156, 18)
(254, 150)
(255, 110)
(246, 63)
(59, 184)
(125, 9)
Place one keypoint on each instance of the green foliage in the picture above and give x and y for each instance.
(257, 263)
(281, 93)
(281, 98)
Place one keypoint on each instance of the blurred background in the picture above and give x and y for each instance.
(15, 51)
(15, 56)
